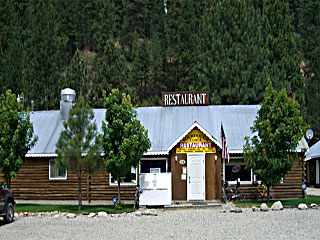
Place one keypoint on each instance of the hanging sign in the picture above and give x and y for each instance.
(171, 99)
(196, 142)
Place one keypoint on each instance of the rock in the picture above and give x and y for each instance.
(91, 215)
(102, 214)
(21, 214)
(255, 209)
(302, 206)
(264, 207)
(16, 215)
(138, 213)
(54, 213)
(25, 214)
(71, 215)
(237, 210)
(277, 206)
(56, 216)
(63, 214)
(314, 206)
(153, 212)
(223, 210)
(85, 213)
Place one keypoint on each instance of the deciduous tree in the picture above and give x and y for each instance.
(124, 139)
(16, 136)
(276, 133)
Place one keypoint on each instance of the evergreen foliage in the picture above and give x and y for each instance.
(16, 136)
(78, 147)
(124, 139)
(276, 134)
(226, 47)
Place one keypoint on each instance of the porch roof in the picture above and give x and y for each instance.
(314, 152)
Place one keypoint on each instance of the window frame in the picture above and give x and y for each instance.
(57, 178)
(235, 182)
(124, 183)
(154, 159)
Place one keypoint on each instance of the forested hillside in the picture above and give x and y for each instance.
(144, 47)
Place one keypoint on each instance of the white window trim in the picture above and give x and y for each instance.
(124, 183)
(153, 159)
(235, 182)
(57, 178)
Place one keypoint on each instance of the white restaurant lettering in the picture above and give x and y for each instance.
(184, 99)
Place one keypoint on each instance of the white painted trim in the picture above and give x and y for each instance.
(203, 172)
(317, 172)
(57, 178)
(195, 124)
(156, 153)
(41, 155)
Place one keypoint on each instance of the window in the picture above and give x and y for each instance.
(153, 166)
(129, 179)
(236, 170)
(55, 173)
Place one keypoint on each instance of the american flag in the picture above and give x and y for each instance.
(225, 152)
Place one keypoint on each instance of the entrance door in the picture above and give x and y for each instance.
(196, 183)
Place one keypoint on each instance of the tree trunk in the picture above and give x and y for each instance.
(119, 199)
(8, 181)
(79, 193)
(268, 193)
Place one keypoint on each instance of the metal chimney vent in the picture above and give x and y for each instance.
(68, 98)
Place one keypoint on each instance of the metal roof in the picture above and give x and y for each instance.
(165, 126)
(314, 151)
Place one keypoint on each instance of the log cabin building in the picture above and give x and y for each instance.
(313, 165)
(183, 164)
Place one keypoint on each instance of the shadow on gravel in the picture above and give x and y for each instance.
(2, 223)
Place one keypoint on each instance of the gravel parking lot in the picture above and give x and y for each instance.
(173, 224)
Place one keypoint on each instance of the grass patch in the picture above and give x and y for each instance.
(286, 203)
(110, 209)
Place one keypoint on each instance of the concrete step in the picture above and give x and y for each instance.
(193, 204)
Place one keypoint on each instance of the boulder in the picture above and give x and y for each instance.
(71, 215)
(56, 216)
(314, 206)
(16, 215)
(264, 207)
(91, 215)
(137, 213)
(237, 210)
(255, 209)
(223, 210)
(102, 214)
(302, 206)
(277, 206)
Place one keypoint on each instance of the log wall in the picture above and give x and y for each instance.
(32, 183)
(290, 188)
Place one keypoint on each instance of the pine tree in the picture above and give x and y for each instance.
(232, 63)
(105, 24)
(111, 71)
(77, 76)
(44, 56)
(282, 43)
(309, 30)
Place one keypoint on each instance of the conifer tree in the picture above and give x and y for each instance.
(232, 63)
(309, 30)
(77, 76)
(111, 70)
(282, 44)
(44, 56)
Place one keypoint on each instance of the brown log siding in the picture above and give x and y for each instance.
(32, 183)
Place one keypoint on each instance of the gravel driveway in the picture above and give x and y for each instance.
(174, 224)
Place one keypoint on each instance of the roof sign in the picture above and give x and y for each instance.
(170, 99)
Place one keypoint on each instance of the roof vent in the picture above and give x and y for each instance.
(68, 98)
